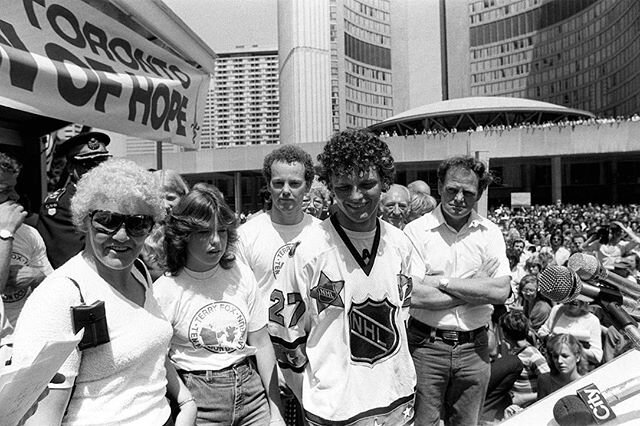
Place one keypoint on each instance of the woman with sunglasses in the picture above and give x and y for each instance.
(220, 343)
(123, 376)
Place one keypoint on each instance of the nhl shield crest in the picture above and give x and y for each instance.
(373, 335)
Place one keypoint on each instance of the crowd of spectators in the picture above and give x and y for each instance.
(537, 237)
(595, 121)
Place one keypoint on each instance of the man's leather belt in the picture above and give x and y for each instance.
(448, 336)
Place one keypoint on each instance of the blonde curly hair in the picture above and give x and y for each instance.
(120, 182)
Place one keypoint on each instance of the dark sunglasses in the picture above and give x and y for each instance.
(108, 222)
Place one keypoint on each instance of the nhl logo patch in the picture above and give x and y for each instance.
(327, 293)
(373, 334)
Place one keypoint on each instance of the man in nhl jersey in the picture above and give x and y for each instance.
(267, 241)
(83, 152)
(340, 323)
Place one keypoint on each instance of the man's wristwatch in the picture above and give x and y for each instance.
(443, 283)
(6, 235)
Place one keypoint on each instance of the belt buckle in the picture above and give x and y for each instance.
(450, 335)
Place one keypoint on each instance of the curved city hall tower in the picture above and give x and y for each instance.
(580, 54)
(305, 71)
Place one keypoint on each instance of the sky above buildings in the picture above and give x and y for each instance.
(227, 24)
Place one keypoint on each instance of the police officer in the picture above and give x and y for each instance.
(83, 152)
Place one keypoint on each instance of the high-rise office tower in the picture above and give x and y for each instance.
(579, 53)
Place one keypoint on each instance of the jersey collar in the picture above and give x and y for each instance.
(365, 266)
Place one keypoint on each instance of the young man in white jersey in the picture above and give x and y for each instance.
(341, 328)
(267, 241)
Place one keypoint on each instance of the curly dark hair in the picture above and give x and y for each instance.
(289, 154)
(515, 325)
(354, 150)
(469, 163)
(203, 208)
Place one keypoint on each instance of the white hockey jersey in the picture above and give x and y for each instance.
(340, 326)
(266, 247)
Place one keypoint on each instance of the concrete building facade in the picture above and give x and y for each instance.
(305, 70)
(582, 53)
(351, 63)
(336, 66)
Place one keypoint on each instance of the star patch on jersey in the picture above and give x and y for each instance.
(327, 293)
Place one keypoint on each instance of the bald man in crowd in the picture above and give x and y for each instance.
(395, 205)
(419, 186)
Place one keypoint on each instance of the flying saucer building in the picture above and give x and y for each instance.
(551, 151)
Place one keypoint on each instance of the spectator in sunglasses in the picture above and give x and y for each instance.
(560, 253)
(575, 318)
(123, 378)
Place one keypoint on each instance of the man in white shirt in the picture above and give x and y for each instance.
(467, 272)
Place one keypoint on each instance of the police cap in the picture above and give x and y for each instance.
(86, 146)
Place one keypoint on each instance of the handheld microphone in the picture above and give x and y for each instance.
(590, 269)
(591, 406)
(562, 285)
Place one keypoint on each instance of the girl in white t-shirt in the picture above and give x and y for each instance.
(220, 343)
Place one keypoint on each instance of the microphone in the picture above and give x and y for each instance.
(623, 322)
(561, 284)
(590, 269)
(591, 406)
